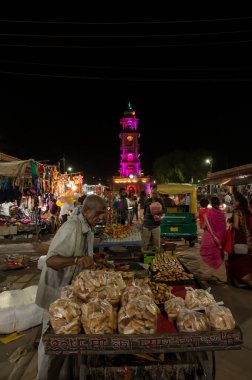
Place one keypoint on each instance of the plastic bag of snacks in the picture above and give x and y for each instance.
(190, 321)
(198, 298)
(68, 294)
(65, 317)
(111, 293)
(88, 281)
(220, 317)
(98, 317)
(134, 291)
(173, 306)
(138, 317)
(105, 285)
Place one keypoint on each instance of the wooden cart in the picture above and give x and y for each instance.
(193, 347)
(87, 345)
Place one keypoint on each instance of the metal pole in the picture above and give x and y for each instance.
(64, 163)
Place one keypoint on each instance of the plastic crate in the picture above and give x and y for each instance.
(148, 259)
(148, 256)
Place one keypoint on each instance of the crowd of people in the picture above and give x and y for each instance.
(236, 264)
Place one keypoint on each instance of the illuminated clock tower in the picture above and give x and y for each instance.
(130, 163)
(130, 176)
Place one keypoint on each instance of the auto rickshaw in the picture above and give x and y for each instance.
(177, 222)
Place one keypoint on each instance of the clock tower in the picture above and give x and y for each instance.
(130, 175)
(130, 162)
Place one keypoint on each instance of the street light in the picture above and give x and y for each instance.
(69, 169)
(210, 162)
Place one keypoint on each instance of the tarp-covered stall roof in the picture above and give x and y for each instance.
(240, 181)
(14, 168)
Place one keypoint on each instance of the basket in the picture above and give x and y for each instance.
(169, 246)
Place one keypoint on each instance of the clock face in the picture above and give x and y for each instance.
(130, 138)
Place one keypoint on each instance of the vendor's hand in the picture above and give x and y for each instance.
(100, 258)
(86, 262)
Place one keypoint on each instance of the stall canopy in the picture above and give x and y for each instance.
(215, 181)
(14, 168)
(240, 181)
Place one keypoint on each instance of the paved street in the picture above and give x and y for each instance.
(231, 365)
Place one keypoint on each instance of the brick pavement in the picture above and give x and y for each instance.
(21, 278)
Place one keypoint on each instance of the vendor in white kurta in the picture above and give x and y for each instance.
(70, 251)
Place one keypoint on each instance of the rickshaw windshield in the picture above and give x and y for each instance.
(181, 189)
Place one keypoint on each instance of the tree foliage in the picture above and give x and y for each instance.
(181, 166)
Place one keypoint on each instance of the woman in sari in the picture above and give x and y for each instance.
(211, 248)
(240, 265)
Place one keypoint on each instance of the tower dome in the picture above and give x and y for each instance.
(129, 111)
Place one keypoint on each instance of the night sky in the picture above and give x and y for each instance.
(188, 79)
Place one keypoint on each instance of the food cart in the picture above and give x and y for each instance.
(118, 344)
(166, 353)
(132, 242)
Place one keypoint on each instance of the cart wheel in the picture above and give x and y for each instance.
(192, 243)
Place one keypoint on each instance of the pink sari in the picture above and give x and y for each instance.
(212, 242)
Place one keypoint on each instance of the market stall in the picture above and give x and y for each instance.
(25, 187)
(132, 238)
(115, 235)
(69, 184)
(177, 340)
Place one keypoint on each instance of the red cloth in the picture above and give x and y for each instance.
(163, 324)
(202, 211)
(180, 290)
(41, 169)
(229, 241)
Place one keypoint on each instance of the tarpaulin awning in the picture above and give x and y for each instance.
(14, 168)
(240, 181)
(215, 181)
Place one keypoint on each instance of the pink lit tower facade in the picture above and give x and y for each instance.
(130, 174)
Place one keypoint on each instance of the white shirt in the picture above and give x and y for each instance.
(227, 199)
(186, 200)
(65, 209)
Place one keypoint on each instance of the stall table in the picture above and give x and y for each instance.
(131, 242)
(8, 230)
(23, 229)
(29, 229)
